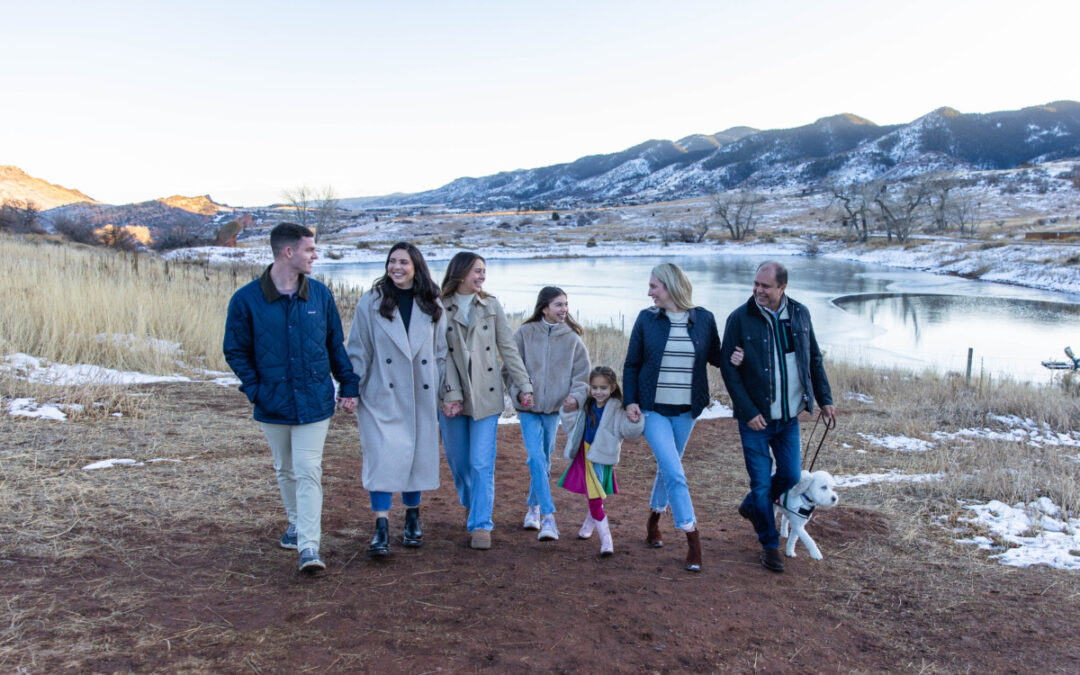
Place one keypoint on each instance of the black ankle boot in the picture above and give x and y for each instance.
(380, 543)
(413, 536)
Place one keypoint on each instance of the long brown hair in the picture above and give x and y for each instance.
(613, 381)
(543, 300)
(425, 292)
(456, 271)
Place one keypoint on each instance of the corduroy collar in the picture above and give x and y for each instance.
(270, 291)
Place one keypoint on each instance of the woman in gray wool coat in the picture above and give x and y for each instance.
(397, 346)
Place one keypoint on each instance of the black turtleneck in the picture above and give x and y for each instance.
(404, 304)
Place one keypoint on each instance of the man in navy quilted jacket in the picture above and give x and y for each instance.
(283, 339)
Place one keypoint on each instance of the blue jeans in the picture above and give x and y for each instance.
(538, 434)
(470, 453)
(382, 501)
(765, 486)
(667, 437)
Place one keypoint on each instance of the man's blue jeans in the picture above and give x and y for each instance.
(765, 487)
(470, 453)
(538, 434)
(667, 438)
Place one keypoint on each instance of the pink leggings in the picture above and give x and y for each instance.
(596, 509)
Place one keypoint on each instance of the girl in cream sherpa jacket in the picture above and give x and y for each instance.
(594, 441)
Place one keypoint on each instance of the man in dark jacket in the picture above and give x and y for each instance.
(283, 339)
(781, 374)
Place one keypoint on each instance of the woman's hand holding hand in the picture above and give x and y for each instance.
(451, 408)
(633, 412)
(570, 404)
(526, 400)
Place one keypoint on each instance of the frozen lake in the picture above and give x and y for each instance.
(862, 313)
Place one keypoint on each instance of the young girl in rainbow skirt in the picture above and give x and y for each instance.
(595, 433)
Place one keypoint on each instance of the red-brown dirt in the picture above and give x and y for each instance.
(211, 599)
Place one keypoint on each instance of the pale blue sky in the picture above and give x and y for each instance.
(129, 101)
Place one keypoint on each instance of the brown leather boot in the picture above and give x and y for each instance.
(653, 536)
(693, 553)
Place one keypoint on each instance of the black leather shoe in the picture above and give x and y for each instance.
(413, 536)
(380, 543)
(770, 560)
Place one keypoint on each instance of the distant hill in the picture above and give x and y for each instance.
(17, 185)
(202, 205)
(840, 148)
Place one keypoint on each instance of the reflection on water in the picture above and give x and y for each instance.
(881, 316)
(1007, 334)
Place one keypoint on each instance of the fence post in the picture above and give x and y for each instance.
(971, 354)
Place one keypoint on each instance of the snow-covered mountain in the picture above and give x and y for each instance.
(840, 148)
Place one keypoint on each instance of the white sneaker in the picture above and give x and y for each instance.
(606, 545)
(548, 531)
(587, 527)
(532, 518)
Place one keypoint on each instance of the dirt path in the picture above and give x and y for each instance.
(198, 596)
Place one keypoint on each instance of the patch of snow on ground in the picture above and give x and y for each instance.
(901, 443)
(1020, 430)
(131, 342)
(716, 410)
(1053, 538)
(28, 407)
(40, 371)
(890, 476)
(110, 463)
(861, 398)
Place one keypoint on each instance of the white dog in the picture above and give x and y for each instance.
(796, 506)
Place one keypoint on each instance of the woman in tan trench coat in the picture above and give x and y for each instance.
(397, 346)
(477, 336)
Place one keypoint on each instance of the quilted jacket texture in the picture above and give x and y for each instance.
(284, 349)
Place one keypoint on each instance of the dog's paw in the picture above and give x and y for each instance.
(790, 555)
(816, 556)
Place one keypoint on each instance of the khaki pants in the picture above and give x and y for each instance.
(298, 451)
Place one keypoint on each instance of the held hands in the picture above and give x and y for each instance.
(347, 404)
(569, 404)
(451, 408)
(633, 412)
(737, 356)
(526, 400)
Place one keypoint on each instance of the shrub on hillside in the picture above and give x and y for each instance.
(19, 216)
(75, 229)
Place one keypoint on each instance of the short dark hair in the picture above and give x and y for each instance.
(778, 269)
(287, 234)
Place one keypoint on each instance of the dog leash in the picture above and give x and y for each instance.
(830, 424)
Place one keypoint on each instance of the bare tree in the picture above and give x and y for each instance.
(19, 215)
(965, 211)
(854, 201)
(326, 207)
(937, 199)
(900, 207)
(301, 198)
(737, 210)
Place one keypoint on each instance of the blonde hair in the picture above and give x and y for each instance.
(677, 284)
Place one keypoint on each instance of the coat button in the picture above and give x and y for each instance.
(388, 360)
(451, 348)
(391, 385)
(489, 370)
(449, 329)
(492, 389)
(487, 348)
(485, 327)
(423, 362)
(425, 386)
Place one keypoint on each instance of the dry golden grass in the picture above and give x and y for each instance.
(62, 297)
